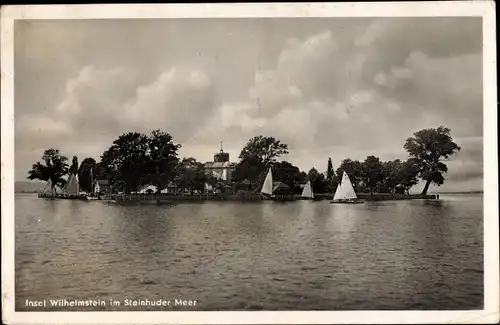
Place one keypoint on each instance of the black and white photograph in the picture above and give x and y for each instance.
(258, 159)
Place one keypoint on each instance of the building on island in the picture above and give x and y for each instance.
(221, 167)
(152, 189)
(281, 188)
(101, 186)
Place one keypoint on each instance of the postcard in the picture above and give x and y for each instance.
(249, 163)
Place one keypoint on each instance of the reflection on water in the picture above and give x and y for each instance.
(344, 219)
(302, 255)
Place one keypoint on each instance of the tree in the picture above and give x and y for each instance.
(391, 174)
(330, 176)
(191, 175)
(55, 166)
(189, 162)
(354, 169)
(303, 177)
(211, 179)
(372, 172)
(407, 174)
(251, 168)
(428, 148)
(87, 174)
(318, 181)
(73, 169)
(126, 161)
(265, 149)
(161, 160)
(258, 155)
(287, 173)
(200, 179)
(312, 175)
(136, 159)
(103, 171)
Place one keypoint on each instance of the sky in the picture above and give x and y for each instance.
(327, 87)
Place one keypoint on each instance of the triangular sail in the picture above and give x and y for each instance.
(77, 185)
(68, 185)
(65, 188)
(97, 188)
(307, 192)
(345, 191)
(48, 187)
(72, 187)
(267, 188)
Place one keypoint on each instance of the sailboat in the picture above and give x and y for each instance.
(345, 192)
(72, 187)
(307, 193)
(267, 187)
(47, 190)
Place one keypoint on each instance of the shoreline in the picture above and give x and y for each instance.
(169, 198)
(154, 198)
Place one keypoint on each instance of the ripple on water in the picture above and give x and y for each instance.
(232, 256)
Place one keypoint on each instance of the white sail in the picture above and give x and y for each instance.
(307, 192)
(77, 184)
(267, 188)
(72, 186)
(97, 188)
(65, 188)
(68, 185)
(48, 187)
(345, 191)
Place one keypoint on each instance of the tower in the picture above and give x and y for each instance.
(221, 156)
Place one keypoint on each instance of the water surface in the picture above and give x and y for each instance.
(399, 255)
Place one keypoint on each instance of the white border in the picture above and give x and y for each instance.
(490, 314)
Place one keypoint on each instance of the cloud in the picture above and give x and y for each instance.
(176, 101)
(322, 102)
(309, 101)
(34, 132)
(44, 125)
(100, 104)
(110, 101)
(442, 37)
(324, 93)
(94, 100)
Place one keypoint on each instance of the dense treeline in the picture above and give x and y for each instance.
(135, 160)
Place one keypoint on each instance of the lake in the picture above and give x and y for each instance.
(394, 255)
